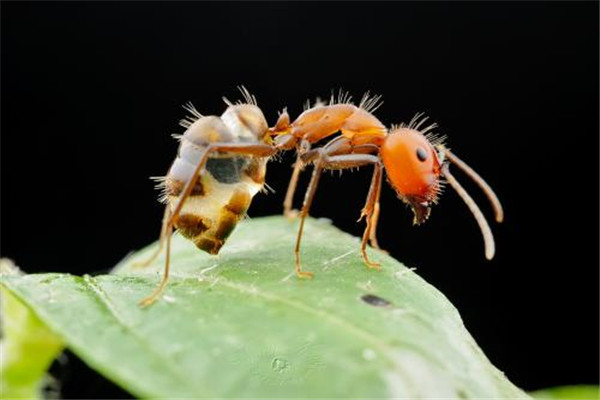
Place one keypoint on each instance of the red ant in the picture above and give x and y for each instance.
(415, 161)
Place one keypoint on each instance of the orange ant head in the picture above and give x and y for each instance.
(413, 169)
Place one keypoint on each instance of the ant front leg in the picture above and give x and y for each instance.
(169, 222)
(371, 212)
(288, 142)
(343, 145)
(291, 190)
(373, 233)
(301, 148)
(322, 160)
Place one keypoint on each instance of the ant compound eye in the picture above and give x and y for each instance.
(421, 154)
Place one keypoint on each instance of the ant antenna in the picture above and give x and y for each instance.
(498, 211)
(488, 237)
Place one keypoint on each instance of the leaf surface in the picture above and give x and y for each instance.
(575, 392)
(27, 347)
(243, 325)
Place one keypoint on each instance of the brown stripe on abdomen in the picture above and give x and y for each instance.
(190, 225)
(227, 224)
(239, 202)
(232, 213)
(211, 246)
(208, 231)
(174, 187)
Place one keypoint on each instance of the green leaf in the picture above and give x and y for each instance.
(27, 348)
(243, 325)
(575, 392)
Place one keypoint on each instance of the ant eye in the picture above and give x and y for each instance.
(421, 154)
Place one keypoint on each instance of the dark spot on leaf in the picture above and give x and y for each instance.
(375, 301)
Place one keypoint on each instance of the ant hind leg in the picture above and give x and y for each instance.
(161, 239)
(165, 277)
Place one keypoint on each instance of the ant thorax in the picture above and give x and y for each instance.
(224, 190)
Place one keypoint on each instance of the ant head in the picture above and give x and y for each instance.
(413, 168)
(415, 164)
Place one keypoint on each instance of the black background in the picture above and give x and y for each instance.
(92, 91)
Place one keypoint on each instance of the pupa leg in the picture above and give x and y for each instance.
(322, 161)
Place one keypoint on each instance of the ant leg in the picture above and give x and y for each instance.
(302, 148)
(373, 234)
(369, 212)
(343, 146)
(308, 198)
(161, 239)
(322, 161)
(258, 150)
(339, 145)
(375, 218)
(291, 190)
(165, 277)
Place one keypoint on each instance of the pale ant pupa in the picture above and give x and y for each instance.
(220, 166)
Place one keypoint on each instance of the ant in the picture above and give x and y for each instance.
(415, 160)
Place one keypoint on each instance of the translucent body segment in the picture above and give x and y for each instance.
(209, 129)
(246, 122)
